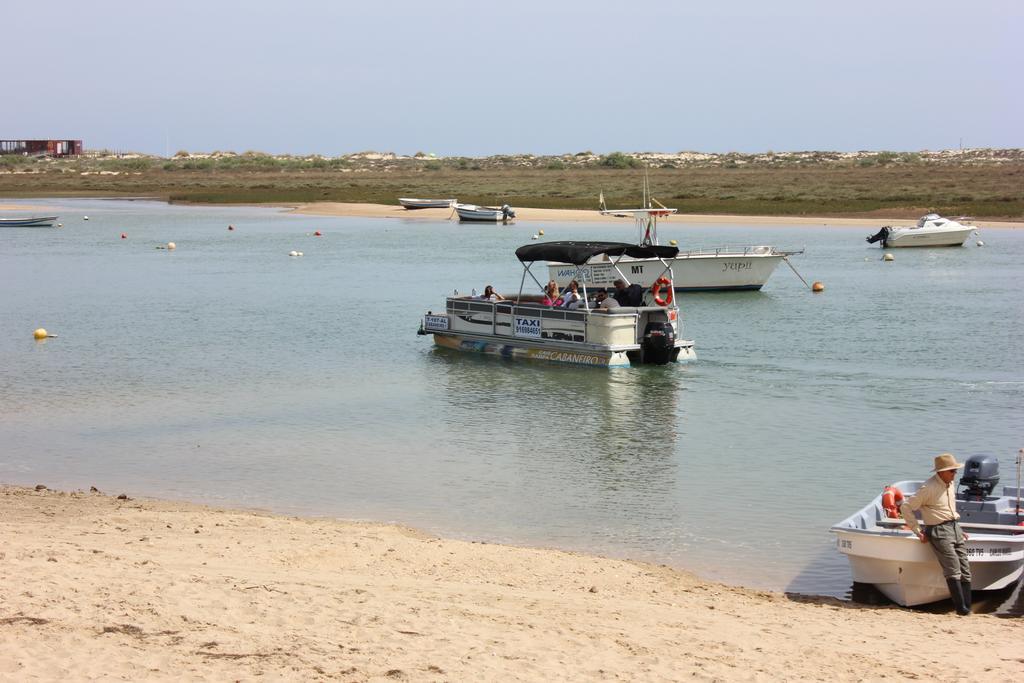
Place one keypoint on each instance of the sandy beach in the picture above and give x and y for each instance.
(97, 587)
(528, 215)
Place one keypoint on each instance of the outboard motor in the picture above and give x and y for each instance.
(981, 474)
(658, 343)
(507, 212)
(879, 236)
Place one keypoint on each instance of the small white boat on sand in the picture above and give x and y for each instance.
(490, 214)
(883, 552)
(525, 326)
(931, 231)
(31, 222)
(412, 203)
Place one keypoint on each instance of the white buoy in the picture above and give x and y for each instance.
(980, 243)
(172, 246)
(60, 225)
(534, 237)
(85, 218)
(888, 257)
(300, 253)
(293, 253)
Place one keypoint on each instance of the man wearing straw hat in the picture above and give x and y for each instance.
(936, 499)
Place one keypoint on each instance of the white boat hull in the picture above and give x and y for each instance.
(695, 271)
(411, 203)
(530, 331)
(922, 237)
(906, 571)
(472, 212)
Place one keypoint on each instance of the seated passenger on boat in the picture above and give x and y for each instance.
(490, 295)
(633, 295)
(570, 297)
(603, 303)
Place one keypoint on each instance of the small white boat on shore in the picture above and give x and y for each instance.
(31, 222)
(717, 268)
(413, 203)
(525, 326)
(881, 551)
(489, 214)
(931, 230)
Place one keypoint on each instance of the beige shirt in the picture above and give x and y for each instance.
(935, 499)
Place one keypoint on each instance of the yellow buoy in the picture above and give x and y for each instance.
(817, 287)
(673, 242)
(40, 334)
(172, 245)
(540, 232)
(888, 257)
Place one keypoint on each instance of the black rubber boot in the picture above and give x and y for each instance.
(956, 594)
(965, 588)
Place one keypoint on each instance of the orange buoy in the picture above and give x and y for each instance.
(124, 236)
(818, 287)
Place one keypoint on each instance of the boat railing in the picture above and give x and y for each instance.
(738, 250)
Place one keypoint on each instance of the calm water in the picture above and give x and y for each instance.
(227, 372)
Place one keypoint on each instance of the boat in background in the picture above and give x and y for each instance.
(411, 203)
(526, 326)
(931, 230)
(33, 222)
(717, 268)
(490, 214)
(883, 552)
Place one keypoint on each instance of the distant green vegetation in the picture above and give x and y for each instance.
(891, 184)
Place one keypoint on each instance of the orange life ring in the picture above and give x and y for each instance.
(656, 291)
(891, 499)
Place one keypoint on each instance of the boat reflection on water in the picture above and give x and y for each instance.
(616, 431)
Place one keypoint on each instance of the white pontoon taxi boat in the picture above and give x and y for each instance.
(717, 268)
(931, 231)
(883, 552)
(524, 327)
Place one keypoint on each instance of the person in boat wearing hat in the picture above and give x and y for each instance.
(936, 499)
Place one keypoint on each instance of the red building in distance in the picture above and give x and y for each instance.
(42, 148)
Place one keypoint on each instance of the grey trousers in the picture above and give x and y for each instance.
(951, 550)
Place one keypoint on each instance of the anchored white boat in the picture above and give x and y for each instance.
(490, 214)
(718, 268)
(525, 327)
(412, 203)
(32, 222)
(931, 230)
(883, 552)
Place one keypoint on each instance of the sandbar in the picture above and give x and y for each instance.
(92, 586)
(528, 215)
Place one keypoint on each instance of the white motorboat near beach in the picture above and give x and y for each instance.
(883, 552)
(931, 230)
(490, 214)
(30, 222)
(717, 268)
(413, 203)
(524, 326)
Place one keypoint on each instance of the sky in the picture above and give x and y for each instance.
(477, 78)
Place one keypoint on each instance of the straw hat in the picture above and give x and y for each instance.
(946, 461)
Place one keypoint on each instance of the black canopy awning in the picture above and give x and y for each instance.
(578, 253)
